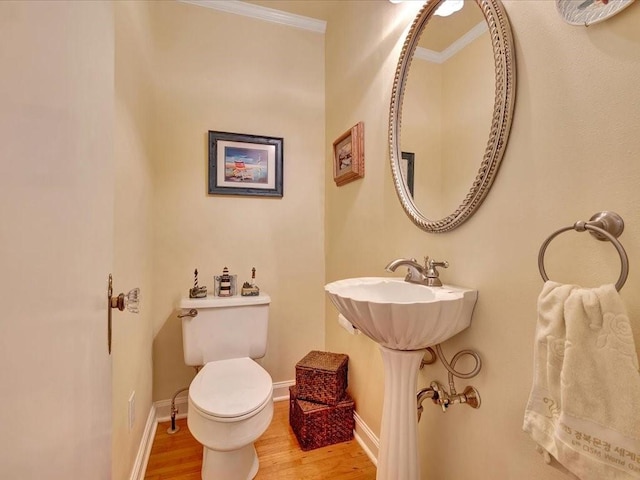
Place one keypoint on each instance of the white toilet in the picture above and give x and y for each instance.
(230, 399)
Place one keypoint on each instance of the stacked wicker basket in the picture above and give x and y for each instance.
(320, 410)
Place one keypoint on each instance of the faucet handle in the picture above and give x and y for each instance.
(431, 264)
(432, 274)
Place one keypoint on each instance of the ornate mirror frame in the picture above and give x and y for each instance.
(505, 73)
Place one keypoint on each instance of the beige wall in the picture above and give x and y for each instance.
(177, 76)
(132, 334)
(364, 220)
(56, 212)
(572, 152)
(218, 71)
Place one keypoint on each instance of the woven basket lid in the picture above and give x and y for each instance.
(323, 360)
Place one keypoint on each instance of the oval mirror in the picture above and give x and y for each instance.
(455, 110)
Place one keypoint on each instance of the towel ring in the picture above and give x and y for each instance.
(603, 226)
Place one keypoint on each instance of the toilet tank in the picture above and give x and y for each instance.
(232, 327)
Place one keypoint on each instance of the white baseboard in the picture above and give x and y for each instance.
(366, 438)
(281, 390)
(161, 412)
(144, 450)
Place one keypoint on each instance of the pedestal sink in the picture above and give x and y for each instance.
(404, 319)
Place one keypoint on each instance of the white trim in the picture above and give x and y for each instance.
(281, 390)
(428, 55)
(465, 40)
(366, 439)
(144, 450)
(262, 13)
(455, 47)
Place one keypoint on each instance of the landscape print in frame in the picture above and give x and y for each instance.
(242, 164)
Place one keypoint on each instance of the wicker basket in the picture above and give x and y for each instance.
(321, 377)
(316, 425)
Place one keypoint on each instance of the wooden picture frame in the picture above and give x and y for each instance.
(348, 155)
(241, 164)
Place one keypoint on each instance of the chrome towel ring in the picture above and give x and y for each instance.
(603, 226)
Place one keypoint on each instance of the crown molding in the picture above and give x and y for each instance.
(262, 13)
(428, 55)
(455, 47)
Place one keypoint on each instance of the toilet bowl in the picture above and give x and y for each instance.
(230, 407)
(230, 398)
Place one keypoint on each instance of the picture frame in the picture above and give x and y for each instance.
(407, 161)
(243, 164)
(348, 155)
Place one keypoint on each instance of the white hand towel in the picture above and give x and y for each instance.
(584, 407)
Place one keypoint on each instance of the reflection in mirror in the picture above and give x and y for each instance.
(454, 98)
(448, 101)
(407, 161)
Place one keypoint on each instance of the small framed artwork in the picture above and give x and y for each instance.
(241, 164)
(407, 160)
(348, 155)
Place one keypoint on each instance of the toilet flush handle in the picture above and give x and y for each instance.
(191, 313)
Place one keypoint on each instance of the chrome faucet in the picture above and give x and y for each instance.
(426, 274)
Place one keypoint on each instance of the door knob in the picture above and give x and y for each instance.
(130, 301)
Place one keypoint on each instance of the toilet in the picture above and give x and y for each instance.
(231, 397)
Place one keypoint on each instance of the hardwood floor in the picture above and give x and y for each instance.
(179, 456)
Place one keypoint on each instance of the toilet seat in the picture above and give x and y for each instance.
(231, 389)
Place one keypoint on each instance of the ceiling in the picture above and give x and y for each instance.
(443, 31)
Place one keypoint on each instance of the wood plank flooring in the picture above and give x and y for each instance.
(179, 456)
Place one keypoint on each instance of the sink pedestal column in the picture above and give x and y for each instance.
(398, 453)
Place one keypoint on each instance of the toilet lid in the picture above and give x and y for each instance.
(230, 388)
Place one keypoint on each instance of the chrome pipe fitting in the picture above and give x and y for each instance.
(174, 411)
(422, 395)
(439, 394)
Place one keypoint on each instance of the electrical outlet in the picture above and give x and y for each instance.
(132, 410)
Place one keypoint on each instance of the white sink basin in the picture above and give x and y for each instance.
(401, 315)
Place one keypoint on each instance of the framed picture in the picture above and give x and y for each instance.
(348, 155)
(407, 160)
(242, 164)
